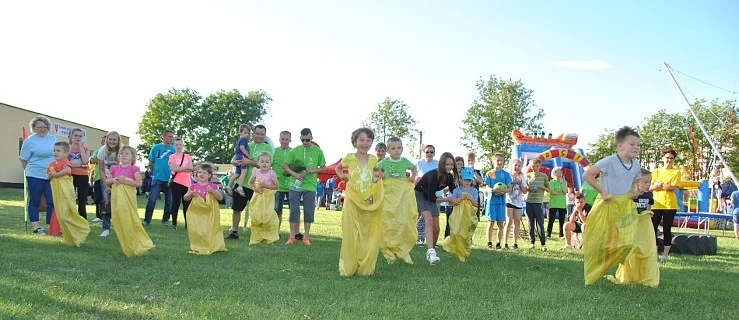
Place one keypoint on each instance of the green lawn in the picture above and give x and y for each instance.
(41, 278)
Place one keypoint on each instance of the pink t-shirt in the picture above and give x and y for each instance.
(128, 172)
(182, 177)
(268, 178)
(202, 190)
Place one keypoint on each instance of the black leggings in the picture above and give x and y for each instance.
(178, 192)
(669, 216)
(562, 215)
(82, 186)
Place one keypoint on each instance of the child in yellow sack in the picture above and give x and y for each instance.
(204, 213)
(613, 220)
(74, 227)
(123, 180)
(463, 220)
(362, 214)
(264, 221)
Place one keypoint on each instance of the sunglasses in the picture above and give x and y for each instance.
(430, 152)
(305, 140)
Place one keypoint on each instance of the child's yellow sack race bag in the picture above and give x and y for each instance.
(609, 236)
(642, 266)
(125, 218)
(264, 221)
(462, 225)
(204, 225)
(74, 227)
(399, 214)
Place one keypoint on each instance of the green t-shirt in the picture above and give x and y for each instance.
(278, 159)
(558, 201)
(97, 169)
(255, 150)
(589, 193)
(309, 158)
(395, 169)
(538, 180)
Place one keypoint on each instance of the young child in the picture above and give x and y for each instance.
(538, 184)
(204, 224)
(107, 157)
(362, 213)
(557, 201)
(241, 151)
(123, 180)
(642, 266)
(612, 223)
(464, 219)
(577, 221)
(74, 227)
(264, 223)
(399, 232)
(495, 211)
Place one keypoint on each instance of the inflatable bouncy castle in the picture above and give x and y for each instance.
(553, 152)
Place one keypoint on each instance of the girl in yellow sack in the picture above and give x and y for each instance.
(264, 221)
(613, 220)
(463, 220)
(399, 211)
(362, 214)
(73, 226)
(204, 223)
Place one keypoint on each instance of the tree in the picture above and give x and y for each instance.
(174, 110)
(500, 107)
(392, 119)
(663, 131)
(603, 146)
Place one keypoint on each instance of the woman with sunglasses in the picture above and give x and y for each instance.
(664, 183)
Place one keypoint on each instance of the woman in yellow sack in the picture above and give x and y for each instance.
(264, 221)
(463, 220)
(612, 222)
(124, 179)
(399, 232)
(642, 266)
(74, 227)
(204, 223)
(362, 214)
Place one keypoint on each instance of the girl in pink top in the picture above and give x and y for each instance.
(181, 166)
(265, 225)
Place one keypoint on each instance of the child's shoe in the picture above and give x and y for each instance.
(105, 233)
(240, 190)
(306, 241)
(39, 231)
(432, 257)
(291, 241)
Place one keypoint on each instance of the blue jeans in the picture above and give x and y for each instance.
(280, 201)
(309, 205)
(156, 187)
(37, 187)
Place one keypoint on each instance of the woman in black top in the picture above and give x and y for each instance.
(428, 191)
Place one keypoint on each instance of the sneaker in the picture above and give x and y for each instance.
(39, 231)
(532, 246)
(490, 246)
(306, 241)
(174, 227)
(228, 191)
(97, 220)
(567, 247)
(166, 223)
(234, 235)
(515, 246)
(291, 241)
(144, 223)
(497, 246)
(240, 191)
(543, 248)
(105, 233)
(431, 257)
(419, 242)
(506, 246)
(663, 258)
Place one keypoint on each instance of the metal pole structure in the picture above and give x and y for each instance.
(420, 142)
(700, 125)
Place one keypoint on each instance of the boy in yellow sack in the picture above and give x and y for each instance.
(122, 182)
(74, 227)
(264, 221)
(204, 221)
(642, 266)
(612, 222)
(361, 218)
(399, 211)
(463, 220)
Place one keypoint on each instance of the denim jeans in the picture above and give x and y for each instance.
(156, 187)
(36, 187)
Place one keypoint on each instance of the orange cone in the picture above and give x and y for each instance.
(54, 229)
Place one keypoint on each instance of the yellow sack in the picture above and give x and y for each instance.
(360, 232)
(74, 227)
(462, 225)
(125, 218)
(641, 267)
(609, 237)
(264, 222)
(399, 212)
(204, 225)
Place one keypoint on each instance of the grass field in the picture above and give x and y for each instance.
(42, 278)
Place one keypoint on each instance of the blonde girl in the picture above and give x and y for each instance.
(204, 223)
(264, 224)
(106, 158)
(515, 201)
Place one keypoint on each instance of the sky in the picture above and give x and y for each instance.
(592, 65)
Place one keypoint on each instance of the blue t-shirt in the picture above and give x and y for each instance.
(735, 201)
(426, 166)
(319, 190)
(331, 184)
(39, 153)
(237, 148)
(457, 192)
(159, 155)
(500, 176)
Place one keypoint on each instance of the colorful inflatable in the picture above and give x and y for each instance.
(553, 152)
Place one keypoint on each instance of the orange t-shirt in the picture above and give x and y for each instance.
(75, 156)
(57, 166)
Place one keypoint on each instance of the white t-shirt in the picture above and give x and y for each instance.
(515, 197)
(110, 159)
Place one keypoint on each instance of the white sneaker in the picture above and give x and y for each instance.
(662, 258)
(97, 220)
(567, 247)
(431, 257)
(105, 233)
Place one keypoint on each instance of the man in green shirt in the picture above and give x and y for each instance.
(240, 202)
(303, 163)
(277, 160)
